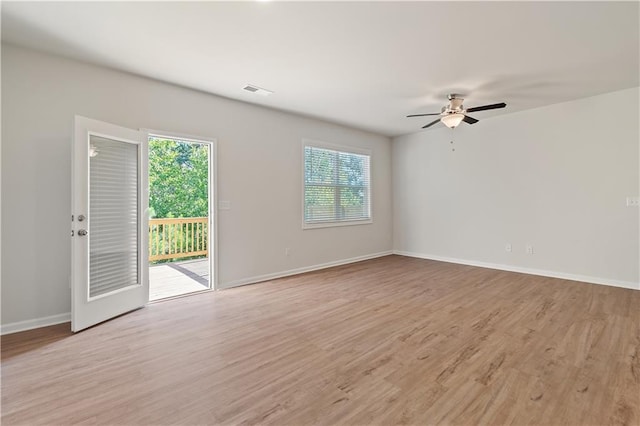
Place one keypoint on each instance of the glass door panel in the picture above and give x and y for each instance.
(113, 215)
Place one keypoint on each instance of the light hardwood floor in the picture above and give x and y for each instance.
(393, 340)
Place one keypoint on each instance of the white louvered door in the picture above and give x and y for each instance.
(110, 222)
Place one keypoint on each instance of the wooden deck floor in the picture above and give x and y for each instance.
(177, 278)
(387, 341)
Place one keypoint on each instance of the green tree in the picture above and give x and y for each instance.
(178, 178)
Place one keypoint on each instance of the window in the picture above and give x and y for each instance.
(336, 186)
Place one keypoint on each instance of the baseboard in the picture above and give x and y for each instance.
(282, 274)
(15, 327)
(66, 317)
(531, 271)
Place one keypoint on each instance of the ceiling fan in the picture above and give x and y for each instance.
(454, 113)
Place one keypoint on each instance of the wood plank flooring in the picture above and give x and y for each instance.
(393, 340)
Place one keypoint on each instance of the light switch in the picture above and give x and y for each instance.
(633, 201)
(224, 205)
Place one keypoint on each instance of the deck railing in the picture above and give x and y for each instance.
(176, 238)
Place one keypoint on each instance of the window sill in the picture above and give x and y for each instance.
(315, 225)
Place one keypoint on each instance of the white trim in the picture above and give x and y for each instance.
(335, 147)
(119, 290)
(531, 271)
(213, 213)
(282, 274)
(179, 136)
(329, 224)
(15, 327)
(66, 317)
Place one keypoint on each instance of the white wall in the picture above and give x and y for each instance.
(555, 177)
(259, 171)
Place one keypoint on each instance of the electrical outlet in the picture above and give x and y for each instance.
(633, 201)
(529, 249)
(508, 247)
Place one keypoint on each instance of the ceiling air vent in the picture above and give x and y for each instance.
(257, 90)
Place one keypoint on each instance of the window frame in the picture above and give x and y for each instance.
(347, 150)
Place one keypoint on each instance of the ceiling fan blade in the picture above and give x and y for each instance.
(469, 120)
(431, 124)
(422, 115)
(486, 107)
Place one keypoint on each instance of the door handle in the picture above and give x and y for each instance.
(82, 232)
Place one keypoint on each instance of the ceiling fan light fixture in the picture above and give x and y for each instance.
(452, 120)
(453, 114)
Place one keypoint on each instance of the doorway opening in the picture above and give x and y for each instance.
(180, 231)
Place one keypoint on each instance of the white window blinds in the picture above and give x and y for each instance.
(113, 216)
(336, 186)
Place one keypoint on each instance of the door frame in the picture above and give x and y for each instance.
(213, 194)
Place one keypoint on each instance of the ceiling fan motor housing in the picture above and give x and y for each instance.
(455, 103)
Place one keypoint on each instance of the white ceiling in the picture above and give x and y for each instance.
(364, 64)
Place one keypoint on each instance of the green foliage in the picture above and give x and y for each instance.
(178, 187)
(178, 179)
